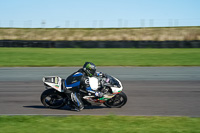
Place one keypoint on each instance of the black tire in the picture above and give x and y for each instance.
(117, 101)
(52, 99)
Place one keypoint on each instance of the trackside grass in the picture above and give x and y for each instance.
(98, 124)
(11, 57)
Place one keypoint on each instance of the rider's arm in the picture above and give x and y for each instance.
(86, 85)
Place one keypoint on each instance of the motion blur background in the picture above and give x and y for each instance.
(80, 22)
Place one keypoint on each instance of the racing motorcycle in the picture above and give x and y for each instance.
(55, 96)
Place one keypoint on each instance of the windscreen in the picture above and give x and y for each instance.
(112, 81)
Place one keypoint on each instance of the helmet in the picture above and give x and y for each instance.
(89, 68)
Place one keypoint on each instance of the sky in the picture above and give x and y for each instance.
(98, 13)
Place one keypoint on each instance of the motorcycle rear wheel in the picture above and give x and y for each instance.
(117, 101)
(52, 99)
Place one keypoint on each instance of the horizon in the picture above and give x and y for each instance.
(99, 14)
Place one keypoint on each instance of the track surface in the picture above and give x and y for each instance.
(163, 91)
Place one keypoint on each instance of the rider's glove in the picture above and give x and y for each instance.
(99, 94)
(102, 74)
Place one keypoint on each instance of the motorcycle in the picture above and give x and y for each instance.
(55, 96)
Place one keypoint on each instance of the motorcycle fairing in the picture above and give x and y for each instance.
(115, 84)
(54, 82)
(117, 89)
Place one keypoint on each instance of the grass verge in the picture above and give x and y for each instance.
(99, 124)
(40, 57)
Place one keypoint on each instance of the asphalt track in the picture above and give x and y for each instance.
(151, 91)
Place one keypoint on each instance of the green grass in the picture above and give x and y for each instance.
(11, 57)
(98, 124)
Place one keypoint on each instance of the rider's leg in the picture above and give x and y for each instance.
(76, 99)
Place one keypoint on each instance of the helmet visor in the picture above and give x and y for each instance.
(92, 72)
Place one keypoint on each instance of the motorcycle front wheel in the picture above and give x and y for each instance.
(117, 101)
(52, 99)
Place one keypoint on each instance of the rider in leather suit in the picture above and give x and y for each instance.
(79, 80)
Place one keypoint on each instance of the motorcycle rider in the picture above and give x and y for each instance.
(79, 80)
